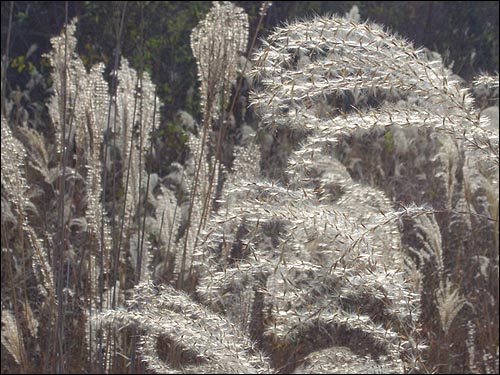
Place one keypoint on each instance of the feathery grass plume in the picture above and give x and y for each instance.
(24, 248)
(96, 110)
(132, 115)
(457, 241)
(14, 184)
(216, 43)
(485, 89)
(125, 116)
(306, 61)
(310, 271)
(449, 304)
(431, 168)
(37, 161)
(149, 119)
(471, 350)
(342, 360)
(246, 164)
(12, 339)
(16, 190)
(316, 76)
(488, 80)
(164, 228)
(87, 100)
(344, 226)
(88, 103)
(97, 100)
(205, 341)
(134, 110)
(429, 242)
(73, 72)
(295, 271)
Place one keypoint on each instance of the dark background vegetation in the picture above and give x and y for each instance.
(157, 39)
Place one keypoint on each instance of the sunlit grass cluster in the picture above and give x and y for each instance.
(356, 229)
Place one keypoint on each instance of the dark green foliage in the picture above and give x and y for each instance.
(156, 39)
(157, 34)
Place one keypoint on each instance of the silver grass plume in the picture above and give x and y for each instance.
(15, 187)
(449, 304)
(311, 71)
(12, 339)
(342, 360)
(16, 200)
(217, 42)
(134, 108)
(68, 68)
(13, 154)
(488, 80)
(270, 244)
(96, 109)
(309, 61)
(164, 227)
(292, 270)
(210, 343)
(87, 104)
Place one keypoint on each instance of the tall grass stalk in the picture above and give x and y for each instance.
(60, 257)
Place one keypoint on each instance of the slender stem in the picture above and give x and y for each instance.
(15, 303)
(59, 342)
(104, 181)
(206, 122)
(124, 207)
(141, 152)
(6, 58)
(147, 190)
(224, 126)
